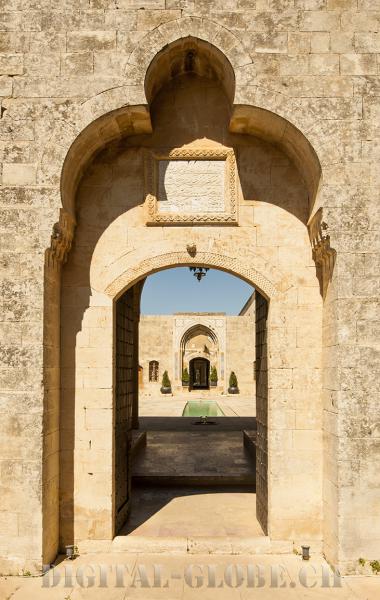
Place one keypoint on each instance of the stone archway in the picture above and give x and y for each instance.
(122, 251)
(199, 341)
(269, 416)
(124, 400)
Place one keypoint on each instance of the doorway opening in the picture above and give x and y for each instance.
(183, 465)
(199, 374)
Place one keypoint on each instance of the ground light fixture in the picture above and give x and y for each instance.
(305, 552)
(199, 272)
(71, 552)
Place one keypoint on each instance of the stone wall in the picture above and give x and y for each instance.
(241, 353)
(156, 343)
(314, 64)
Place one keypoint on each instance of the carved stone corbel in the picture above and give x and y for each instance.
(323, 254)
(192, 249)
(61, 239)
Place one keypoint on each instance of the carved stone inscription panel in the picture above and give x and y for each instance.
(191, 186)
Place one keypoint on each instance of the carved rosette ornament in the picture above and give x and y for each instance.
(323, 254)
(61, 239)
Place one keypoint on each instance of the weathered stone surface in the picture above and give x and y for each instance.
(68, 70)
(191, 186)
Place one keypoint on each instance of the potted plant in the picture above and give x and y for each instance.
(185, 377)
(166, 387)
(213, 377)
(233, 384)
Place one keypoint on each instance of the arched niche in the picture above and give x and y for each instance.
(193, 56)
(198, 329)
(127, 118)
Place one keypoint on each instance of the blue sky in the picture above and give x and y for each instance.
(177, 290)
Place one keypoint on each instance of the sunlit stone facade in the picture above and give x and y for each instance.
(290, 92)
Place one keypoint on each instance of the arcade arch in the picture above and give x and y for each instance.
(199, 343)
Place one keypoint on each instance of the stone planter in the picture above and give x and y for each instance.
(213, 383)
(233, 390)
(185, 384)
(166, 390)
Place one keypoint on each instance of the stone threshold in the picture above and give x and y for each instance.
(199, 480)
(199, 545)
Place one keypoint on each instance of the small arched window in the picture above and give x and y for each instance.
(153, 370)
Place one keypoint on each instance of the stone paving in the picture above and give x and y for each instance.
(169, 406)
(195, 454)
(185, 577)
(222, 512)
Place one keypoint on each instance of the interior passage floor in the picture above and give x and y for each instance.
(207, 503)
(193, 512)
(194, 453)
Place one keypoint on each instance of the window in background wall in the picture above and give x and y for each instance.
(153, 370)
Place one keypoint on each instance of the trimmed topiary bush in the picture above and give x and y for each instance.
(214, 376)
(166, 387)
(185, 377)
(233, 384)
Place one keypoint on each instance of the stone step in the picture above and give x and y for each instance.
(140, 544)
(206, 479)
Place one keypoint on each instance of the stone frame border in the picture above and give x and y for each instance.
(154, 217)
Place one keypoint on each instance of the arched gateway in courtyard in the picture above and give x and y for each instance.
(197, 189)
(188, 166)
(199, 350)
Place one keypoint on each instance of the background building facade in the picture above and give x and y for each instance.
(174, 341)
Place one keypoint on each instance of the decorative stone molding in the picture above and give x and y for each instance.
(187, 325)
(228, 216)
(323, 254)
(206, 259)
(61, 239)
(200, 28)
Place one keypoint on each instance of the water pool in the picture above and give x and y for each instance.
(201, 408)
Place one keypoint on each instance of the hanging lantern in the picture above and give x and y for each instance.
(199, 272)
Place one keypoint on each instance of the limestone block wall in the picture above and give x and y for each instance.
(52, 417)
(156, 343)
(315, 63)
(241, 353)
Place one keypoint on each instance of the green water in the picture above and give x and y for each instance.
(200, 408)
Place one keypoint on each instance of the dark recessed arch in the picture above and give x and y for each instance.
(189, 55)
(126, 118)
